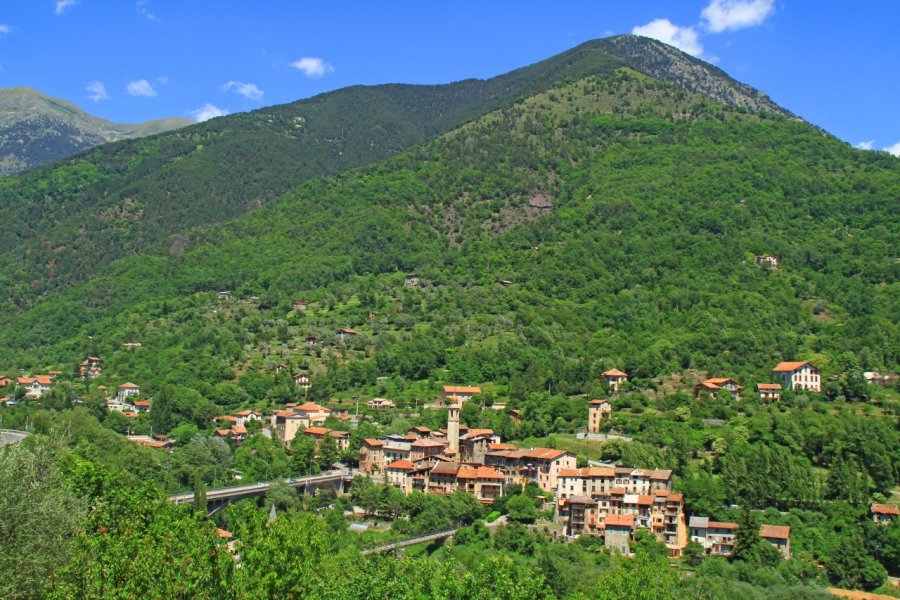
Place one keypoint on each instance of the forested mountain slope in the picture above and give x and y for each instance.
(624, 215)
(37, 129)
(66, 221)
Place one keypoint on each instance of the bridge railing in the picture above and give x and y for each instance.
(420, 539)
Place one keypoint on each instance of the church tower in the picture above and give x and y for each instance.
(453, 428)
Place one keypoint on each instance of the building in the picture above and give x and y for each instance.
(341, 438)
(301, 380)
(538, 465)
(779, 536)
(287, 422)
(399, 475)
(458, 394)
(345, 331)
(149, 442)
(715, 385)
(141, 406)
(245, 416)
(769, 392)
(883, 514)
(90, 367)
(35, 386)
(127, 390)
(598, 411)
(299, 305)
(644, 494)
(767, 261)
(371, 456)
(615, 378)
(475, 444)
(380, 404)
(798, 376)
(618, 532)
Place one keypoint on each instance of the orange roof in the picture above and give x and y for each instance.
(348, 331)
(545, 453)
(372, 442)
(675, 497)
(238, 430)
(721, 525)
(23, 380)
(787, 367)
(228, 418)
(223, 432)
(502, 447)
(421, 429)
(719, 380)
(708, 385)
(885, 509)
(337, 433)
(317, 430)
(768, 386)
(402, 464)
(129, 386)
(619, 521)
(312, 407)
(246, 413)
(461, 389)
(614, 373)
(776, 532)
(427, 444)
(445, 468)
(598, 402)
(645, 500)
(142, 403)
(225, 535)
(476, 432)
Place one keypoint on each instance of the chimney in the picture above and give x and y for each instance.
(453, 428)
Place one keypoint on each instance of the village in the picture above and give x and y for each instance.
(610, 502)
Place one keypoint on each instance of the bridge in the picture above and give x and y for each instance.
(431, 537)
(216, 498)
(12, 436)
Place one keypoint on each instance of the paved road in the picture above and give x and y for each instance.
(254, 489)
(440, 535)
(11, 436)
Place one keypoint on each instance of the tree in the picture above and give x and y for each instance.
(39, 517)
(747, 539)
(303, 454)
(522, 508)
(693, 554)
(282, 495)
(327, 453)
(199, 504)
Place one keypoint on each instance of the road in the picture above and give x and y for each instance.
(11, 436)
(255, 489)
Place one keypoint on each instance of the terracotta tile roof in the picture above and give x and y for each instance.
(348, 331)
(421, 429)
(247, 413)
(581, 500)
(477, 432)
(545, 453)
(768, 386)
(427, 444)
(618, 491)
(708, 385)
(223, 432)
(335, 433)
(788, 366)
(23, 380)
(719, 380)
(225, 535)
(885, 509)
(614, 373)
(373, 442)
(489, 473)
(142, 403)
(598, 402)
(461, 389)
(496, 446)
(619, 521)
(312, 407)
(675, 497)
(228, 418)
(721, 525)
(401, 464)
(239, 430)
(661, 474)
(775, 532)
(644, 500)
(445, 468)
(317, 430)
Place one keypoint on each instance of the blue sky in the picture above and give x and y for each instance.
(837, 64)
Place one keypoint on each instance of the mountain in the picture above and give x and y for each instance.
(37, 129)
(610, 219)
(70, 219)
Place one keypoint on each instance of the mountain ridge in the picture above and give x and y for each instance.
(36, 128)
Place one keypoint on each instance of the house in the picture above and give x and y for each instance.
(618, 532)
(457, 394)
(883, 514)
(420, 432)
(371, 456)
(287, 422)
(798, 375)
(598, 410)
(717, 538)
(769, 392)
(127, 390)
(767, 261)
(399, 475)
(484, 483)
(149, 442)
(5, 380)
(475, 444)
(539, 465)
(715, 385)
(505, 282)
(141, 406)
(346, 331)
(90, 367)
(341, 438)
(615, 378)
(245, 416)
(411, 280)
(301, 380)
(779, 536)
(36, 386)
(380, 404)
(311, 340)
(132, 345)
(299, 305)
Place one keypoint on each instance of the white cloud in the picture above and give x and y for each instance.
(731, 15)
(206, 112)
(895, 149)
(141, 87)
(247, 90)
(866, 145)
(4, 29)
(144, 11)
(62, 5)
(97, 91)
(312, 67)
(683, 38)
(163, 79)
